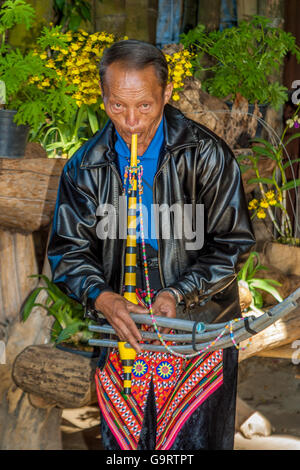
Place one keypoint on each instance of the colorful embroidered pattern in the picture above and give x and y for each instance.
(179, 387)
(139, 368)
(164, 370)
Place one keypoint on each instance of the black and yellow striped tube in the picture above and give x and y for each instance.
(128, 355)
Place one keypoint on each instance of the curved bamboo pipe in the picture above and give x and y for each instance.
(128, 355)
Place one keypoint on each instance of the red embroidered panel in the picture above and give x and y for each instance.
(178, 392)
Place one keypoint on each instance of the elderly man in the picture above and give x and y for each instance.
(175, 403)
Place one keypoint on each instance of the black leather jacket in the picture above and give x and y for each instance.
(195, 167)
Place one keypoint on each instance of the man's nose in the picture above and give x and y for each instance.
(132, 119)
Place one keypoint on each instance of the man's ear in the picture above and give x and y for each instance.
(168, 92)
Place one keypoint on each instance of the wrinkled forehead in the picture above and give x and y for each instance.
(122, 78)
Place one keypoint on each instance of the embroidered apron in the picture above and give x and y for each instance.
(180, 386)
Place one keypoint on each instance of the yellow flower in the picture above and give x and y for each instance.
(43, 56)
(102, 106)
(45, 82)
(272, 202)
(264, 203)
(253, 204)
(50, 64)
(261, 214)
(175, 97)
(75, 71)
(270, 195)
(93, 37)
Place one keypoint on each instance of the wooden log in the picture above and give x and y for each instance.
(28, 191)
(57, 376)
(281, 333)
(284, 352)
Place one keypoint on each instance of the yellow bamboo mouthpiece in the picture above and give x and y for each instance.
(128, 355)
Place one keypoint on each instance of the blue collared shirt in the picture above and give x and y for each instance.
(149, 161)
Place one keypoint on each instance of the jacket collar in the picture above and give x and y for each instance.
(100, 149)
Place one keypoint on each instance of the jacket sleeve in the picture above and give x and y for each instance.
(73, 244)
(228, 231)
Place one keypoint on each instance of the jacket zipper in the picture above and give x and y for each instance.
(124, 244)
(154, 199)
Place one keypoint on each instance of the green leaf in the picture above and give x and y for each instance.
(30, 303)
(70, 330)
(16, 12)
(263, 151)
(93, 120)
(290, 185)
(261, 284)
(261, 180)
(290, 162)
(293, 137)
(55, 330)
(257, 298)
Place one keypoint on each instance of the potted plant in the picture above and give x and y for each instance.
(244, 58)
(32, 87)
(273, 194)
(70, 328)
(248, 278)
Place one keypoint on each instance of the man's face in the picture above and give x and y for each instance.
(134, 100)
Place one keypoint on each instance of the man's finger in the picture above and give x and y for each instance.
(133, 343)
(133, 308)
(133, 329)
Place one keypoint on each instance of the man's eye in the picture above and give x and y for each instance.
(117, 106)
(145, 105)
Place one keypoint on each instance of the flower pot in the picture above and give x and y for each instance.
(13, 138)
(286, 258)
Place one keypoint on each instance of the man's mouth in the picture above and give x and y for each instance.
(130, 134)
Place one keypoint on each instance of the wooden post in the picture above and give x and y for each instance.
(209, 14)
(109, 16)
(246, 9)
(23, 426)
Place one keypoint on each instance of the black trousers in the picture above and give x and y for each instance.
(210, 427)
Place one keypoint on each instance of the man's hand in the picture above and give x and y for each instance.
(116, 310)
(164, 306)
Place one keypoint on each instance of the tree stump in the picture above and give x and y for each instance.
(59, 377)
(28, 191)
